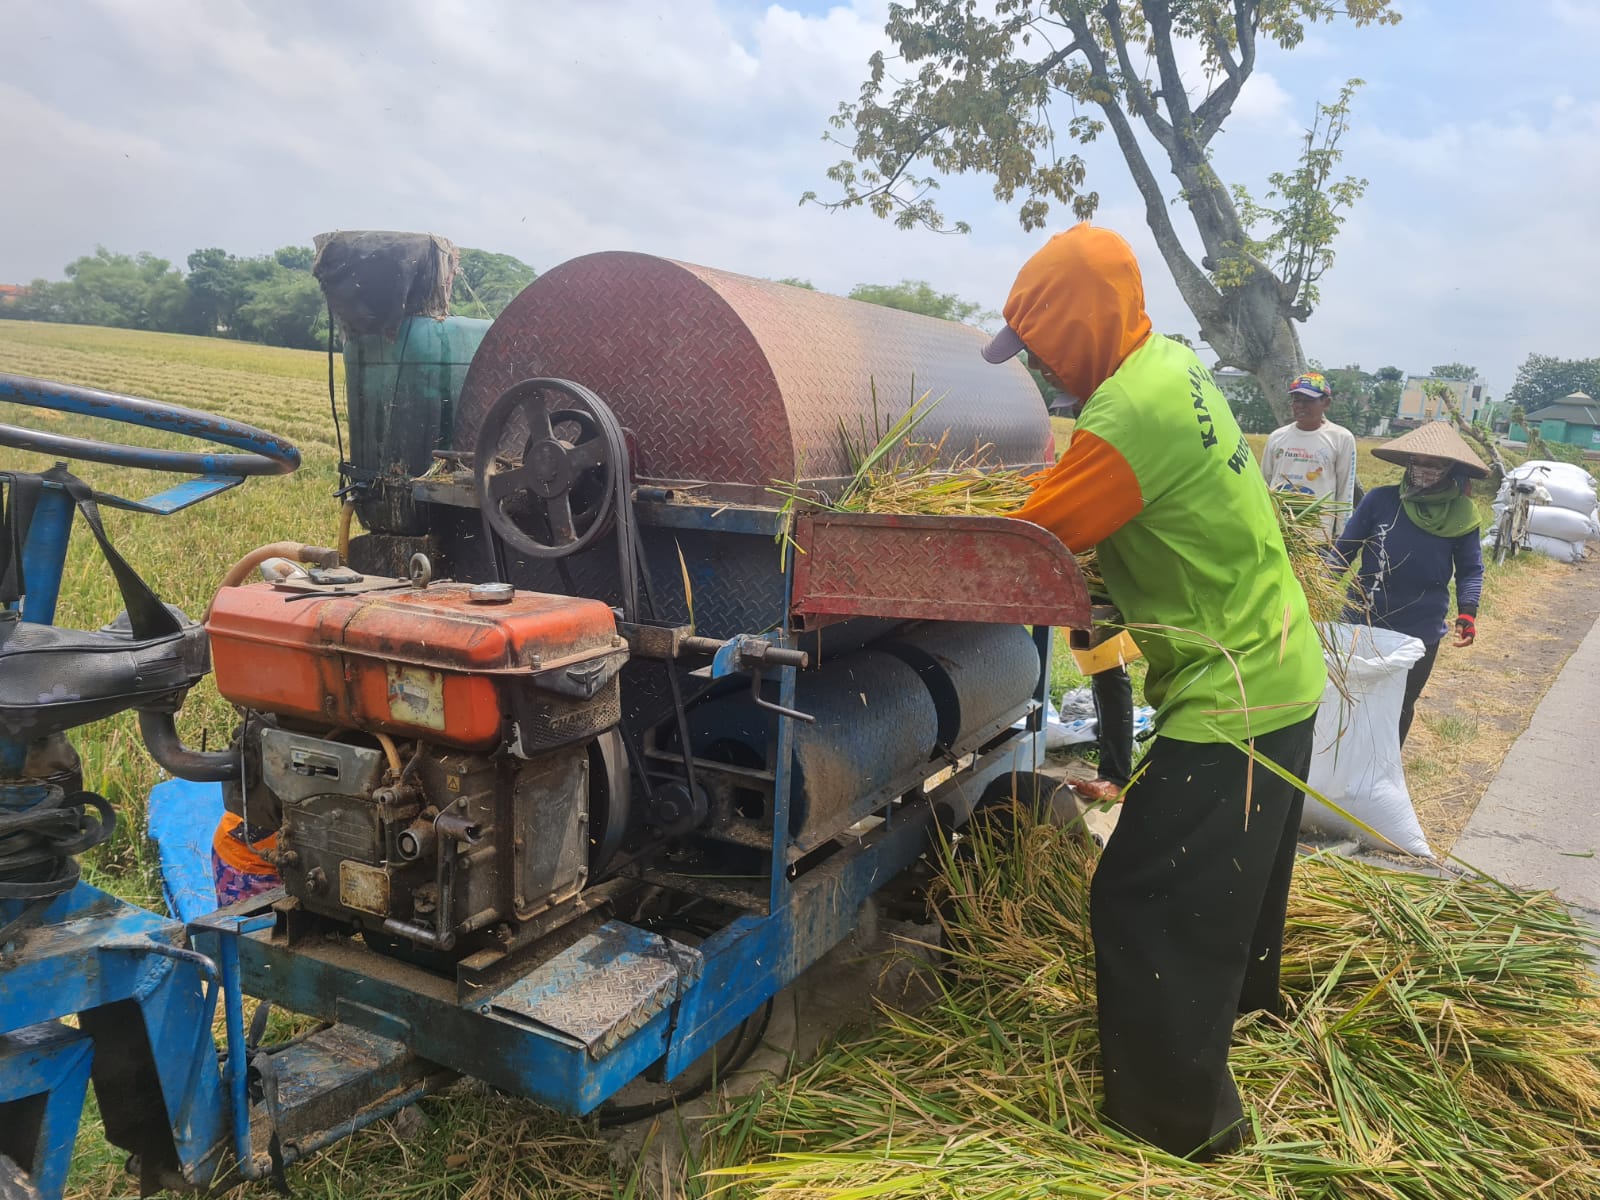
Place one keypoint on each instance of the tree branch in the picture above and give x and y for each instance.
(1172, 88)
(1214, 110)
(1158, 125)
(1199, 293)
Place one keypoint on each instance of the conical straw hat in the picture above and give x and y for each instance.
(1436, 439)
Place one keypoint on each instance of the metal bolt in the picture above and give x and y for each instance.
(522, 901)
(583, 818)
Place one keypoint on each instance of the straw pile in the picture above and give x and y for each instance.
(1442, 1040)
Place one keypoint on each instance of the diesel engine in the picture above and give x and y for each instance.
(438, 760)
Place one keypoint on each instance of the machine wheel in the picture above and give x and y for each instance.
(546, 477)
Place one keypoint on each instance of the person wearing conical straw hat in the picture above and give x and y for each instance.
(1188, 899)
(1412, 538)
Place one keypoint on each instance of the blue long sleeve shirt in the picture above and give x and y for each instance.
(1405, 571)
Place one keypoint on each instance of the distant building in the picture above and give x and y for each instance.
(1574, 420)
(11, 291)
(1416, 407)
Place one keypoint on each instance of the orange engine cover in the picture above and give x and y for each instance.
(427, 663)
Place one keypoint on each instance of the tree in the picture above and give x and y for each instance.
(982, 98)
(216, 289)
(1543, 379)
(1454, 370)
(284, 308)
(799, 283)
(137, 291)
(295, 258)
(918, 296)
(485, 283)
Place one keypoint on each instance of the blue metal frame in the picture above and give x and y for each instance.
(48, 1066)
(87, 950)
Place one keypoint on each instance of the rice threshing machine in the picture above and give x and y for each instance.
(586, 748)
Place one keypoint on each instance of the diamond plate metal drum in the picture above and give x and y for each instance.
(604, 986)
(723, 379)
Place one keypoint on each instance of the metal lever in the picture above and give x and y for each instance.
(748, 653)
(755, 693)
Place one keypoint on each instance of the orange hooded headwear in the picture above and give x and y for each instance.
(1078, 306)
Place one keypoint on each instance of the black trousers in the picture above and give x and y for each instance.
(1187, 910)
(1416, 680)
(1113, 707)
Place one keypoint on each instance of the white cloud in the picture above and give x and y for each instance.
(691, 129)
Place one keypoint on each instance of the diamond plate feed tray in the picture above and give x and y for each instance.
(934, 568)
(725, 380)
(604, 986)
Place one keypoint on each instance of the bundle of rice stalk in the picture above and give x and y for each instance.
(1441, 1041)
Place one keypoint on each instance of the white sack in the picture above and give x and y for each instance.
(1569, 486)
(1355, 759)
(1562, 524)
(1568, 552)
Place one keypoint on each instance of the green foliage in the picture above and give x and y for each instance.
(485, 283)
(1360, 399)
(123, 291)
(918, 296)
(285, 308)
(1543, 379)
(1454, 370)
(1005, 90)
(799, 283)
(1300, 214)
(272, 298)
(1250, 407)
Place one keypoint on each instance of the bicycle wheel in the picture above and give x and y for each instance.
(1502, 537)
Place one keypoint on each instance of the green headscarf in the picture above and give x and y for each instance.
(1442, 510)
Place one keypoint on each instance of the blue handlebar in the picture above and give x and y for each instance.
(264, 453)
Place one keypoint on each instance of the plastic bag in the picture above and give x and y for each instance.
(1355, 759)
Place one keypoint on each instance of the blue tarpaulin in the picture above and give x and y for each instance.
(183, 818)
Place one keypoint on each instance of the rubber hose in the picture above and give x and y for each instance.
(161, 738)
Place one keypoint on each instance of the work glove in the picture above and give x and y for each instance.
(1466, 630)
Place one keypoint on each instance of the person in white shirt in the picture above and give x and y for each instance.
(1313, 456)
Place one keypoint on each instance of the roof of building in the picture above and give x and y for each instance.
(1576, 409)
(13, 289)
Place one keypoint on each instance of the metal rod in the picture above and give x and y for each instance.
(233, 1022)
(44, 555)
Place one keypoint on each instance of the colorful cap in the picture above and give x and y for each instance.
(1311, 384)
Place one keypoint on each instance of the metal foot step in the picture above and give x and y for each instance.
(332, 1083)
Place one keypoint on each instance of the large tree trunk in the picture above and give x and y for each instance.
(1249, 330)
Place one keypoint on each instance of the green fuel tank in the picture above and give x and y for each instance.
(402, 395)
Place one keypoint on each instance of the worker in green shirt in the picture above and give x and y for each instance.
(1188, 899)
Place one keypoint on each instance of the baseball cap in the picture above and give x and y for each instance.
(1005, 344)
(1311, 384)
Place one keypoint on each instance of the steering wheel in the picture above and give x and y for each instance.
(264, 453)
(559, 464)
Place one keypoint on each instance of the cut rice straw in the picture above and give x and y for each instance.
(1441, 1041)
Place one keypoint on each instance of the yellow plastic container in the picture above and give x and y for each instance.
(1118, 651)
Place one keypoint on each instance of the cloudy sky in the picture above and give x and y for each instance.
(689, 128)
